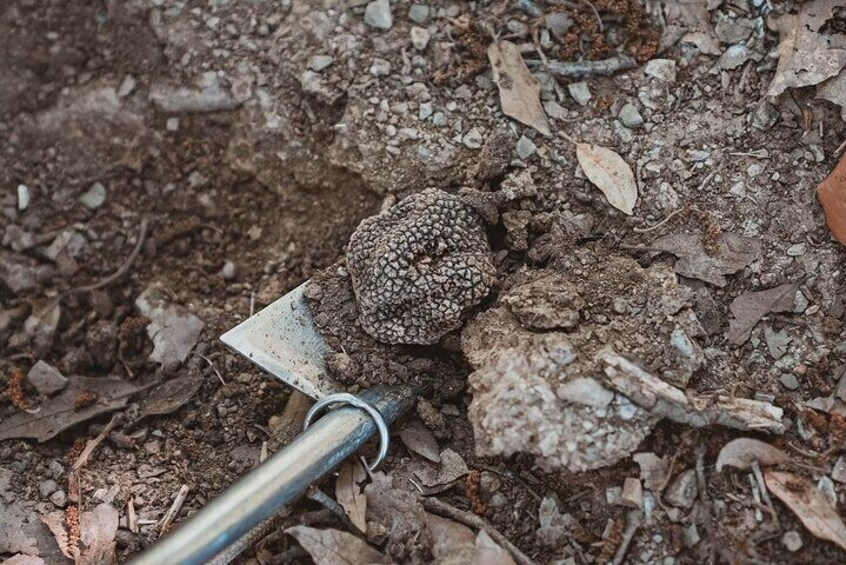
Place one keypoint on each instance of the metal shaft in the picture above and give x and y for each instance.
(277, 481)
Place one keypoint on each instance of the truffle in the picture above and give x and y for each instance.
(418, 266)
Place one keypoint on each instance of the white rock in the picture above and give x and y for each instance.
(424, 111)
(319, 62)
(419, 37)
(580, 92)
(630, 116)
(23, 197)
(472, 139)
(525, 147)
(46, 379)
(380, 67)
(792, 541)
(172, 328)
(632, 493)
(378, 14)
(172, 124)
(682, 492)
(127, 85)
(661, 69)
(418, 13)
(585, 391)
(94, 197)
(839, 471)
(439, 119)
(229, 270)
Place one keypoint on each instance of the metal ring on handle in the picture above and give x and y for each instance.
(352, 400)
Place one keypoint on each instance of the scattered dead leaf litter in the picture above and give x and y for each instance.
(257, 137)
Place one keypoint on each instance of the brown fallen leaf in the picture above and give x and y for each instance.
(333, 547)
(171, 395)
(55, 522)
(519, 91)
(809, 504)
(750, 307)
(832, 196)
(349, 493)
(420, 440)
(451, 468)
(61, 413)
(731, 253)
(805, 55)
(456, 544)
(742, 452)
(611, 174)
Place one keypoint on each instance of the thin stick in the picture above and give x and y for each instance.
(212, 365)
(581, 69)
(840, 148)
(590, 5)
(469, 519)
(314, 493)
(669, 217)
(131, 517)
(142, 233)
(174, 509)
(632, 524)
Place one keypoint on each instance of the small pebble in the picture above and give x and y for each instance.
(48, 487)
(319, 62)
(418, 13)
(661, 69)
(424, 111)
(525, 148)
(23, 197)
(796, 250)
(127, 85)
(419, 37)
(172, 124)
(59, 498)
(439, 119)
(229, 270)
(380, 67)
(792, 541)
(839, 471)
(378, 14)
(580, 92)
(472, 139)
(789, 381)
(630, 116)
(94, 197)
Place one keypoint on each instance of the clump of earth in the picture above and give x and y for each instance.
(417, 273)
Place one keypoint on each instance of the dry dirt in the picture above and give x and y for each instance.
(252, 179)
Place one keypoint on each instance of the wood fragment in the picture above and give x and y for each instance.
(445, 510)
(632, 524)
(131, 516)
(174, 509)
(582, 69)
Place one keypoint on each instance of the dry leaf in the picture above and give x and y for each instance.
(420, 440)
(452, 543)
(452, 467)
(97, 529)
(349, 494)
(333, 547)
(731, 253)
(488, 552)
(60, 413)
(832, 196)
(742, 452)
(805, 57)
(55, 522)
(691, 14)
(519, 91)
(173, 330)
(809, 504)
(834, 90)
(610, 174)
(750, 307)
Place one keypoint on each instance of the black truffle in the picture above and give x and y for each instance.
(418, 266)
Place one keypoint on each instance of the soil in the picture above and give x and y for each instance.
(253, 181)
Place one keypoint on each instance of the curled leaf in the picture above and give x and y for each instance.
(349, 493)
(742, 452)
(613, 176)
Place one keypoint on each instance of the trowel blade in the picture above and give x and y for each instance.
(283, 340)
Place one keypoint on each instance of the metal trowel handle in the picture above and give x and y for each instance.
(259, 494)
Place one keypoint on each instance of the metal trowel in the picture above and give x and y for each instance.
(283, 340)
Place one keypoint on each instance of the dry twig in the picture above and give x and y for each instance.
(441, 508)
(581, 69)
(173, 510)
